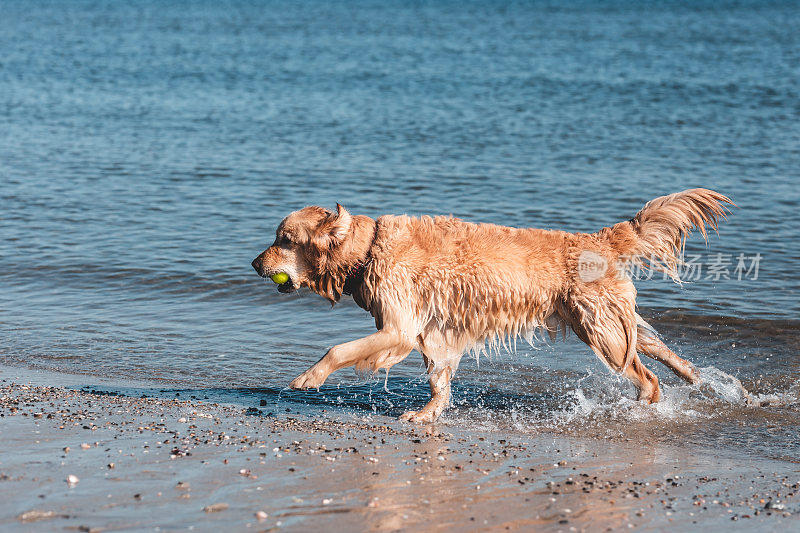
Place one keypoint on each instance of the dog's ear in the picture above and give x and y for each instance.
(334, 229)
(341, 224)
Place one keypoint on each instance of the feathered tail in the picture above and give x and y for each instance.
(656, 235)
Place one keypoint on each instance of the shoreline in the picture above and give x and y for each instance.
(145, 462)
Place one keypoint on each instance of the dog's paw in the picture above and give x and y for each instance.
(310, 379)
(419, 417)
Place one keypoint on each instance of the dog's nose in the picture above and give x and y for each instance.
(257, 265)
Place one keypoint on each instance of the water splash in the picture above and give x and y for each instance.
(725, 386)
(730, 389)
(598, 399)
(601, 398)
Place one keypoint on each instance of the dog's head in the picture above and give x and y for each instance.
(316, 247)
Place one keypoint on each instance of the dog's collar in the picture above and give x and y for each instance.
(356, 273)
(355, 276)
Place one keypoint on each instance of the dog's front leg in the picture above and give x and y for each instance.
(439, 379)
(344, 355)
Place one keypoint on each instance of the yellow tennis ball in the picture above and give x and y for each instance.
(280, 278)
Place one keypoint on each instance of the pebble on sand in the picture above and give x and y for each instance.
(261, 516)
(215, 507)
(35, 515)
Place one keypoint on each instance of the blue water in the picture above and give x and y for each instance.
(149, 150)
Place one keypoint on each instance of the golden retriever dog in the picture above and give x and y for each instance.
(443, 286)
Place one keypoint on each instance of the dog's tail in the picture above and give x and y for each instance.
(656, 235)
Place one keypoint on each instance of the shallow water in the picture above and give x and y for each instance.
(148, 152)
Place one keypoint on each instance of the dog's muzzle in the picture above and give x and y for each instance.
(285, 288)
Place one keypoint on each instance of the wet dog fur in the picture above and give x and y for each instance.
(444, 286)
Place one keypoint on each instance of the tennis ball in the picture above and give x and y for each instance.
(280, 278)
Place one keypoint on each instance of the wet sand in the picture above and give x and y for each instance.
(82, 459)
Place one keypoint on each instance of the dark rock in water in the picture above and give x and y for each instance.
(177, 452)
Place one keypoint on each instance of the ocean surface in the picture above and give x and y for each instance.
(149, 149)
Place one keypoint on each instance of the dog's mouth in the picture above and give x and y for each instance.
(286, 287)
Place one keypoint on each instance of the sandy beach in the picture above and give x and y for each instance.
(81, 457)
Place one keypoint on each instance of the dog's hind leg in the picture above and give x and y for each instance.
(381, 349)
(648, 343)
(643, 379)
(607, 323)
(439, 377)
